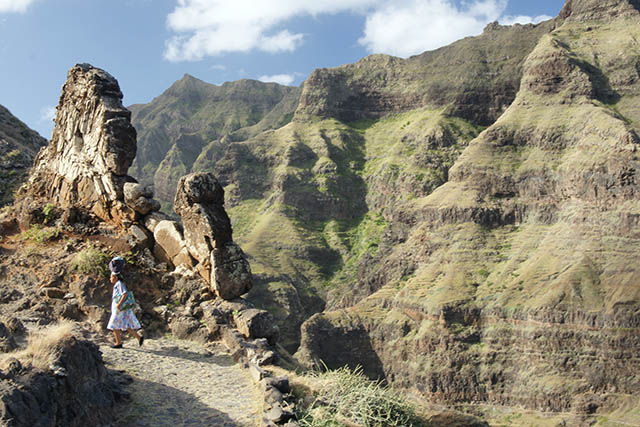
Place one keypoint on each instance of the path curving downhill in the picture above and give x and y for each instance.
(183, 383)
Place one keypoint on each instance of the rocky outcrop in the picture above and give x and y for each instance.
(92, 146)
(207, 233)
(77, 390)
(590, 10)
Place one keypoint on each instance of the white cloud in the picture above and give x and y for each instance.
(283, 79)
(397, 27)
(14, 5)
(212, 27)
(47, 114)
(409, 27)
(523, 19)
(219, 67)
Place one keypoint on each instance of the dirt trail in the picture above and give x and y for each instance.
(182, 383)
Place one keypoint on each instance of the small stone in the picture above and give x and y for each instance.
(281, 383)
(278, 415)
(52, 293)
(256, 323)
(273, 396)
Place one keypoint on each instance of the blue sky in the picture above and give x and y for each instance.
(149, 44)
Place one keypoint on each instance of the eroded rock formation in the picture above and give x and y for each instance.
(207, 232)
(92, 147)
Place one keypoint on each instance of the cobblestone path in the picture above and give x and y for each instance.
(182, 383)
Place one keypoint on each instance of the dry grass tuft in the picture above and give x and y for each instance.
(347, 397)
(43, 345)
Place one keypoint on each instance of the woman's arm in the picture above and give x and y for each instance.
(122, 298)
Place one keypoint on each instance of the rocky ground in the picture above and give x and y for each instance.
(177, 382)
(170, 381)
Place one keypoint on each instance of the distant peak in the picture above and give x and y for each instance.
(492, 26)
(187, 82)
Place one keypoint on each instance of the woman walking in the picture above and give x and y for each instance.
(122, 318)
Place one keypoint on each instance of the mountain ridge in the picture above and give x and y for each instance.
(193, 117)
(19, 145)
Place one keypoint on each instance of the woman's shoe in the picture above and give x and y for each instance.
(116, 345)
(141, 341)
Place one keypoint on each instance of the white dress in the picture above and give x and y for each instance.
(121, 320)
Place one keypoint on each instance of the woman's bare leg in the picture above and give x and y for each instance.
(140, 338)
(116, 334)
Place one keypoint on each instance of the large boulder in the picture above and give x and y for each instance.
(140, 198)
(92, 146)
(255, 323)
(74, 390)
(207, 232)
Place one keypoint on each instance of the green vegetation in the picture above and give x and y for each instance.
(357, 239)
(349, 397)
(48, 212)
(92, 261)
(38, 233)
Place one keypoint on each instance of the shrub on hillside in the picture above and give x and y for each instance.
(40, 234)
(348, 397)
(42, 346)
(91, 261)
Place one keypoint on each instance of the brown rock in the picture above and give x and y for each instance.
(281, 383)
(207, 233)
(140, 198)
(153, 219)
(52, 293)
(184, 258)
(139, 237)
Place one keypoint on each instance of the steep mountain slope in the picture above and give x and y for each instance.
(516, 282)
(18, 147)
(466, 218)
(317, 203)
(188, 126)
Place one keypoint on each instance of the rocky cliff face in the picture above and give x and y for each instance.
(515, 281)
(91, 149)
(477, 78)
(19, 145)
(318, 201)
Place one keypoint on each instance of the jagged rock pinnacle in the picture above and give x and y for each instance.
(92, 146)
